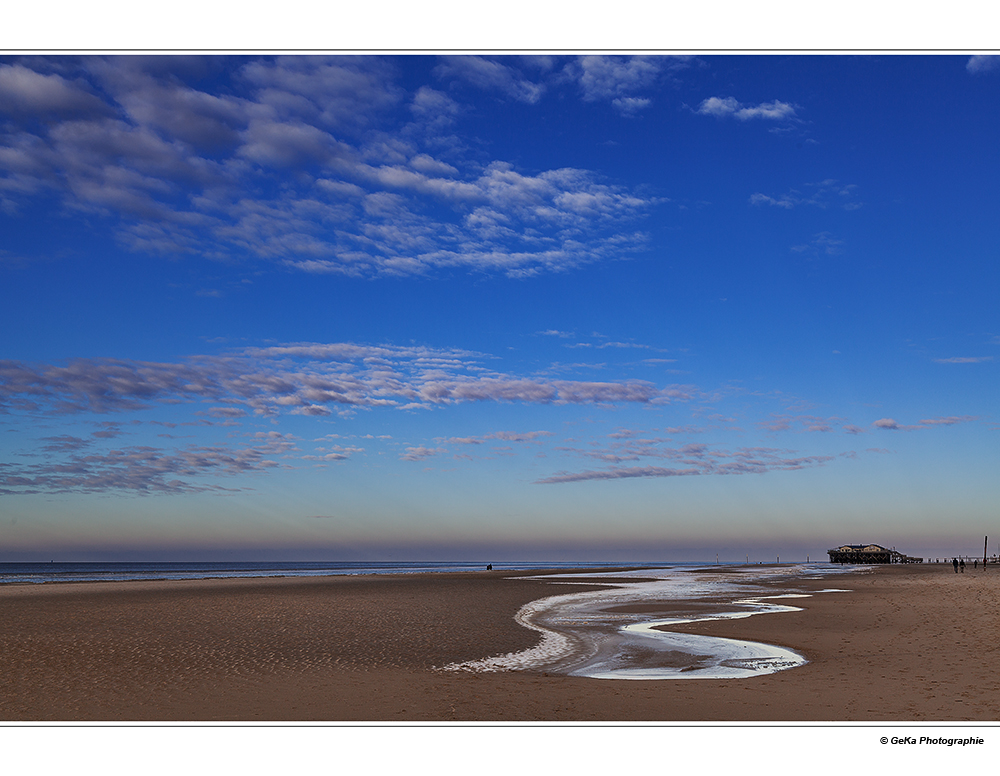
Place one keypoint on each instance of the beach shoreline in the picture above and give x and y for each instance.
(907, 644)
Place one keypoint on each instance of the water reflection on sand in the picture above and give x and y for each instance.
(622, 631)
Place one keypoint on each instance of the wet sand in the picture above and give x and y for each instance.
(908, 644)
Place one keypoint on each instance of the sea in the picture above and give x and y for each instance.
(21, 573)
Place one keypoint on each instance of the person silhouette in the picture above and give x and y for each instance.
(954, 562)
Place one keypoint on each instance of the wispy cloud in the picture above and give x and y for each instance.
(963, 360)
(26, 92)
(890, 424)
(616, 474)
(142, 470)
(808, 423)
(701, 461)
(64, 444)
(334, 453)
(420, 453)
(722, 107)
(303, 378)
(378, 191)
(107, 430)
(620, 80)
(825, 194)
(949, 421)
(557, 333)
(490, 74)
(784, 201)
(823, 243)
(982, 63)
(605, 343)
(624, 82)
(505, 436)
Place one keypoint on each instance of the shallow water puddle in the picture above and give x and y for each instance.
(616, 634)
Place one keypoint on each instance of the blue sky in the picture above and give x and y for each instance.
(433, 307)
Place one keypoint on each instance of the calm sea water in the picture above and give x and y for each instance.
(19, 573)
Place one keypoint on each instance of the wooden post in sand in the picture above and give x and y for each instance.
(986, 541)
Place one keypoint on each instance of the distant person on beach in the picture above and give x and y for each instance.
(489, 567)
(954, 562)
(961, 565)
(975, 563)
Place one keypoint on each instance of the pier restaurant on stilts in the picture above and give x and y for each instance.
(868, 553)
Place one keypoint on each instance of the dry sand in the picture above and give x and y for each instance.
(909, 643)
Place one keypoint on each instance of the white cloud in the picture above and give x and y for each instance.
(763, 199)
(719, 106)
(982, 63)
(774, 111)
(824, 194)
(378, 187)
(430, 166)
(948, 421)
(889, 424)
(304, 379)
(822, 243)
(24, 91)
(143, 470)
(630, 106)
(434, 108)
(506, 436)
(696, 460)
(490, 75)
(335, 453)
(618, 79)
(728, 106)
(420, 453)
(963, 360)
(557, 333)
(346, 93)
(288, 144)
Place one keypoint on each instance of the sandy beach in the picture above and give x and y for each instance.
(907, 644)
